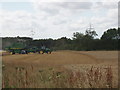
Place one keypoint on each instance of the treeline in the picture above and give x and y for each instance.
(9, 41)
(108, 41)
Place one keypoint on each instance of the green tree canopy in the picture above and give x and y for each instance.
(90, 34)
(111, 34)
(78, 35)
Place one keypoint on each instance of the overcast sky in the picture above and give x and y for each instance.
(56, 19)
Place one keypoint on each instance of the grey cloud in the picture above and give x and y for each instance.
(53, 8)
(50, 11)
(107, 5)
(76, 5)
(49, 8)
(59, 22)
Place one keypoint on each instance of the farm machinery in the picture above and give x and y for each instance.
(22, 49)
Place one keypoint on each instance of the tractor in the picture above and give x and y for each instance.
(22, 49)
(45, 50)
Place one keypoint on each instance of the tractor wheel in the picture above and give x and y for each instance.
(26, 52)
(11, 53)
(41, 52)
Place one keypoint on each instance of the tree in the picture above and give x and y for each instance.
(90, 34)
(110, 39)
(78, 35)
(62, 43)
(84, 42)
(110, 34)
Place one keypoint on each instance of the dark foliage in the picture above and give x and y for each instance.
(108, 41)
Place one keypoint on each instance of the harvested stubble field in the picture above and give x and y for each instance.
(61, 69)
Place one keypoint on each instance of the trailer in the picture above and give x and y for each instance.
(22, 49)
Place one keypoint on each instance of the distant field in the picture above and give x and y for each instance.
(95, 68)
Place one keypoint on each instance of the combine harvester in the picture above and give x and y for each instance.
(22, 49)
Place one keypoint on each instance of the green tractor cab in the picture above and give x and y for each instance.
(46, 50)
(32, 50)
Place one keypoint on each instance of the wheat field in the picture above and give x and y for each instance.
(61, 69)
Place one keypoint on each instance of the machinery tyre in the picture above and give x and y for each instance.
(41, 52)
